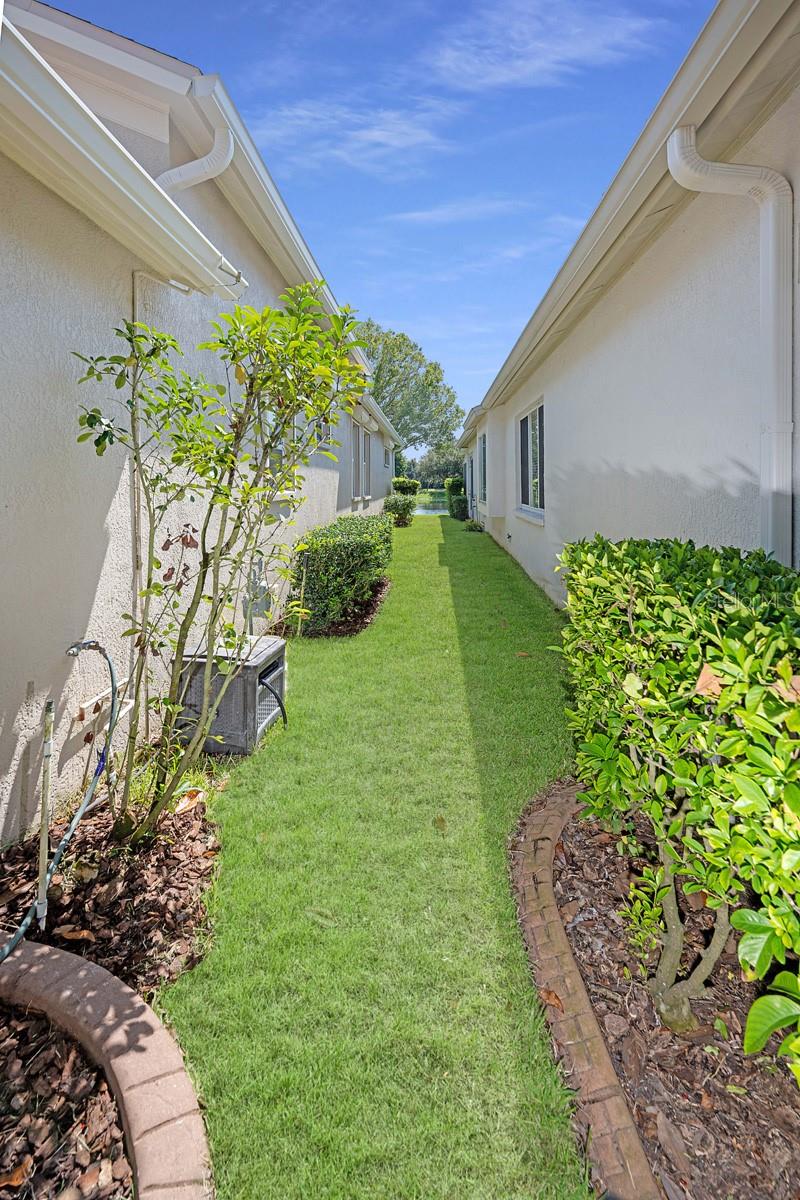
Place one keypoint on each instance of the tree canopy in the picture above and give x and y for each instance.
(438, 463)
(409, 387)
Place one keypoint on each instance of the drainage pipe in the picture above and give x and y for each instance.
(219, 156)
(773, 195)
(44, 818)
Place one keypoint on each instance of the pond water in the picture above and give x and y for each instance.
(433, 509)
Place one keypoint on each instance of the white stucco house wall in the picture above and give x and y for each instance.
(97, 226)
(651, 392)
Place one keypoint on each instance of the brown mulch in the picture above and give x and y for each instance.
(139, 914)
(716, 1124)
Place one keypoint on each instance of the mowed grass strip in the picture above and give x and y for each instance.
(364, 1026)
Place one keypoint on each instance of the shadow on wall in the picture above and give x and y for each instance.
(723, 508)
(55, 553)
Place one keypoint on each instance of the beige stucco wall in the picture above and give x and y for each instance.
(652, 422)
(65, 515)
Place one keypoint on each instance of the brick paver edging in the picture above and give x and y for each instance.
(617, 1158)
(164, 1129)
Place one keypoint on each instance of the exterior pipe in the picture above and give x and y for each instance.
(44, 820)
(773, 195)
(221, 153)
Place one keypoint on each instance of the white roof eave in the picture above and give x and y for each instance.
(51, 133)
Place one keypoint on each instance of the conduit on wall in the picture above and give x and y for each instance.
(773, 195)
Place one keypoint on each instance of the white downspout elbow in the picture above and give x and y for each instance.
(219, 156)
(773, 195)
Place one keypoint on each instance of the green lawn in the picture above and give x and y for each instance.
(364, 1026)
(431, 496)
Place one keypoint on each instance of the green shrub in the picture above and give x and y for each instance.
(400, 508)
(454, 487)
(338, 566)
(458, 507)
(473, 526)
(686, 671)
(404, 486)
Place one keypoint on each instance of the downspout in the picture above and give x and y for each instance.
(773, 195)
(221, 153)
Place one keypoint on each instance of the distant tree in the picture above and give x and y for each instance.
(437, 463)
(404, 466)
(409, 387)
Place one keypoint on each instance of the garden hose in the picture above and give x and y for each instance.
(102, 759)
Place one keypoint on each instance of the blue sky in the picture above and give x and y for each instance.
(440, 158)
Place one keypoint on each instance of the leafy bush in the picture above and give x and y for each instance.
(459, 507)
(404, 486)
(400, 508)
(685, 669)
(338, 566)
(473, 526)
(454, 489)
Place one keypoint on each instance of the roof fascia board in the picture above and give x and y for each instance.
(89, 42)
(51, 133)
(642, 196)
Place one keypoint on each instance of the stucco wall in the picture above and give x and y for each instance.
(65, 533)
(652, 405)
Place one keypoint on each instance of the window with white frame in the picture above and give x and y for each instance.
(531, 459)
(366, 473)
(482, 468)
(387, 456)
(356, 447)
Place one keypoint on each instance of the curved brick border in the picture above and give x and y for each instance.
(617, 1156)
(164, 1130)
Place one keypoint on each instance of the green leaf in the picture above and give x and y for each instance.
(766, 1016)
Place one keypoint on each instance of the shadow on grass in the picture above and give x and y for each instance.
(515, 689)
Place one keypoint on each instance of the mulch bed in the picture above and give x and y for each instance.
(716, 1124)
(140, 915)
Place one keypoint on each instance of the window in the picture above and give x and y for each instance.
(482, 468)
(387, 456)
(366, 473)
(531, 459)
(356, 461)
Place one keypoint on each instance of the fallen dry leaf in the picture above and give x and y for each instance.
(551, 998)
(19, 1175)
(189, 800)
(708, 682)
(75, 935)
(790, 693)
(440, 825)
(523, 654)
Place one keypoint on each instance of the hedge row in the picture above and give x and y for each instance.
(457, 503)
(338, 566)
(685, 663)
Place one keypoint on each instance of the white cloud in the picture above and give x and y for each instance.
(368, 137)
(475, 208)
(538, 43)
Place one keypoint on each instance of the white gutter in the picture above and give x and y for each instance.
(773, 195)
(51, 133)
(204, 89)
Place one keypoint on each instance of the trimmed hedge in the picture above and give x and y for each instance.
(454, 489)
(404, 486)
(685, 663)
(459, 507)
(338, 566)
(400, 508)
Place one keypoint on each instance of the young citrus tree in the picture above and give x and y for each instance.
(236, 453)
